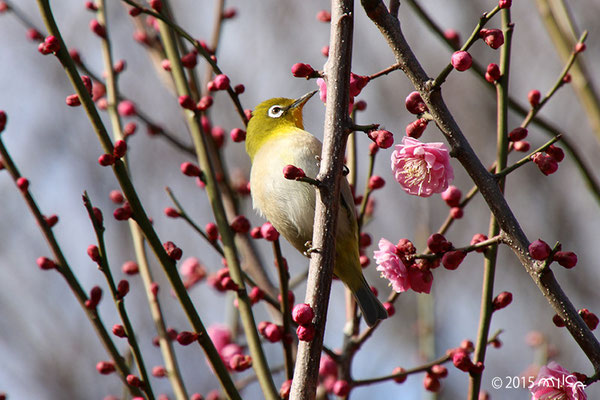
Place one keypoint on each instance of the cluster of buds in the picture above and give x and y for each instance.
(461, 358)
(590, 319)
(548, 161)
(220, 82)
(452, 197)
(303, 314)
(267, 231)
(431, 381)
(119, 151)
(50, 45)
(270, 331)
(222, 281)
(328, 375)
(451, 258)
(173, 251)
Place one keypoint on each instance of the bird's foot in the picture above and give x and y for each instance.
(310, 249)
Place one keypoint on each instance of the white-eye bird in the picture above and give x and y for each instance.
(276, 138)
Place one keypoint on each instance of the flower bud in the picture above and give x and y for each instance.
(186, 102)
(501, 301)
(173, 251)
(293, 172)
(240, 224)
(478, 238)
(159, 371)
(453, 37)
(504, 3)
(492, 73)
(45, 263)
(590, 319)
(172, 213)
(376, 182)
(415, 104)
(156, 4)
(72, 100)
(51, 220)
(189, 60)
(306, 333)
(94, 299)
(123, 213)
(268, 232)
(522, 146)
(120, 148)
(122, 288)
(284, 390)
(256, 294)
(131, 379)
(384, 139)
(517, 134)
(437, 243)
(547, 164)
(186, 338)
(98, 28)
(105, 367)
(238, 135)
(401, 378)
(492, 37)
(567, 259)
(93, 253)
(556, 153)
(324, 16)
(431, 383)
(239, 362)
(461, 60)
(302, 314)
(539, 250)
(221, 82)
(23, 184)
(204, 103)
(452, 259)
(212, 232)
(189, 169)
(416, 128)
(106, 160)
(534, 97)
(461, 360)
(439, 371)
(341, 388)
(119, 331)
(3, 119)
(301, 70)
(452, 196)
(558, 321)
(580, 47)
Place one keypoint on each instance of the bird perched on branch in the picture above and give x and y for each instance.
(276, 139)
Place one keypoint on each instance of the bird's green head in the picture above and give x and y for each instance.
(272, 118)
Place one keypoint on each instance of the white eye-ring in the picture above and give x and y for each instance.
(275, 111)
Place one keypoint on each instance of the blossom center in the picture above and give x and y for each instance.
(415, 171)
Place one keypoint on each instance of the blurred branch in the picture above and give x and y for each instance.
(559, 27)
(337, 123)
(462, 150)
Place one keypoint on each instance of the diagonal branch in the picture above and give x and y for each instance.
(462, 151)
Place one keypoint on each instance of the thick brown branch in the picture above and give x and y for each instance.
(461, 150)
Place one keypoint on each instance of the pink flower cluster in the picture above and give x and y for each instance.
(422, 169)
(402, 272)
(555, 382)
(231, 353)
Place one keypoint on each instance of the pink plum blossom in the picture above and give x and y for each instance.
(422, 168)
(555, 382)
(391, 266)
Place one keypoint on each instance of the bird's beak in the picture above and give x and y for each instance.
(302, 100)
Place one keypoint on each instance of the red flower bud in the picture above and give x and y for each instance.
(221, 82)
(567, 259)
(439, 371)
(539, 250)
(189, 60)
(156, 4)
(437, 243)
(504, 3)
(376, 182)
(239, 89)
(240, 224)
(212, 232)
(189, 169)
(186, 102)
(3, 119)
(172, 213)
(590, 319)
(452, 259)
(204, 103)
(501, 301)
(580, 47)
(256, 294)
(461, 60)
(105, 367)
(517, 134)
(72, 100)
(119, 331)
(522, 146)
(306, 333)
(159, 371)
(120, 148)
(534, 97)
(172, 250)
(416, 128)
(123, 213)
(94, 299)
(185, 338)
(284, 390)
(229, 13)
(492, 37)
(23, 184)
(122, 288)
(547, 164)
(130, 268)
(93, 253)
(401, 378)
(415, 104)
(461, 360)
(134, 381)
(452, 196)
(268, 232)
(98, 28)
(478, 238)
(341, 388)
(45, 263)
(558, 321)
(555, 152)
(239, 362)
(492, 73)
(453, 37)
(238, 135)
(384, 139)
(292, 172)
(302, 314)
(431, 383)
(301, 70)
(106, 160)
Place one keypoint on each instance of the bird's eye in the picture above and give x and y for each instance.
(275, 112)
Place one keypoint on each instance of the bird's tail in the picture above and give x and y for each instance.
(371, 307)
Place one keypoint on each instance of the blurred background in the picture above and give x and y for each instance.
(49, 349)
